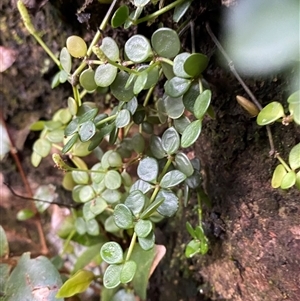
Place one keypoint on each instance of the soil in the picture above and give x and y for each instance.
(253, 229)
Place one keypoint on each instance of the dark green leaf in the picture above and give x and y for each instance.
(156, 147)
(194, 180)
(72, 127)
(195, 64)
(87, 116)
(190, 97)
(120, 16)
(174, 106)
(181, 123)
(118, 87)
(138, 143)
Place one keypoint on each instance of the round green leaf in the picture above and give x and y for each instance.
(138, 143)
(111, 196)
(288, 180)
(65, 60)
(148, 169)
(294, 109)
(105, 75)
(191, 133)
(294, 157)
(111, 252)
(202, 103)
(112, 179)
(118, 89)
(156, 147)
(76, 46)
(179, 61)
(190, 97)
(194, 180)
(123, 118)
(123, 216)
(153, 75)
(111, 278)
(170, 141)
(110, 225)
(270, 113)
(170, 204)
(63, 76)
(135, 201)
(140, 82)
(195, 64)
(92, 227)
(294, 98)
(72, 127)
(90, 114)
(184, 164)
(120, 16)
(147, 242)
(142, 228)
(87, 81)
(110, 49)
(80, 226)
(177, 86)
(72, 106)
(174, 106)
(56, 136)
(80, 177)
(141, 185)
(98, 176)
(42, 147)
(98, 206)
(128, 271)
(114, 159)
(165, 42)
(138, 48)
(132, 105)
(172, 178)
(161, 110)
(87, 131)
(86, 211)
(181, 123)
(86, 193)
(24, 214)
(278, 175)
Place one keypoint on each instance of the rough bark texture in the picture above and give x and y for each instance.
(254, 230)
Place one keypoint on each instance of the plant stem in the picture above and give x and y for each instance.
(67, 242)
(132, 244)
(283, 162)
(243, 84)
(109, 118)
(158, 12)
(29, 26)
(167, 165)
(165, 60)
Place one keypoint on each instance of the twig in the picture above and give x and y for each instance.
(37, 220)
(39, 200)
(240, 80)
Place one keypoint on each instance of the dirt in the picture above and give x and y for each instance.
(254, 230)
